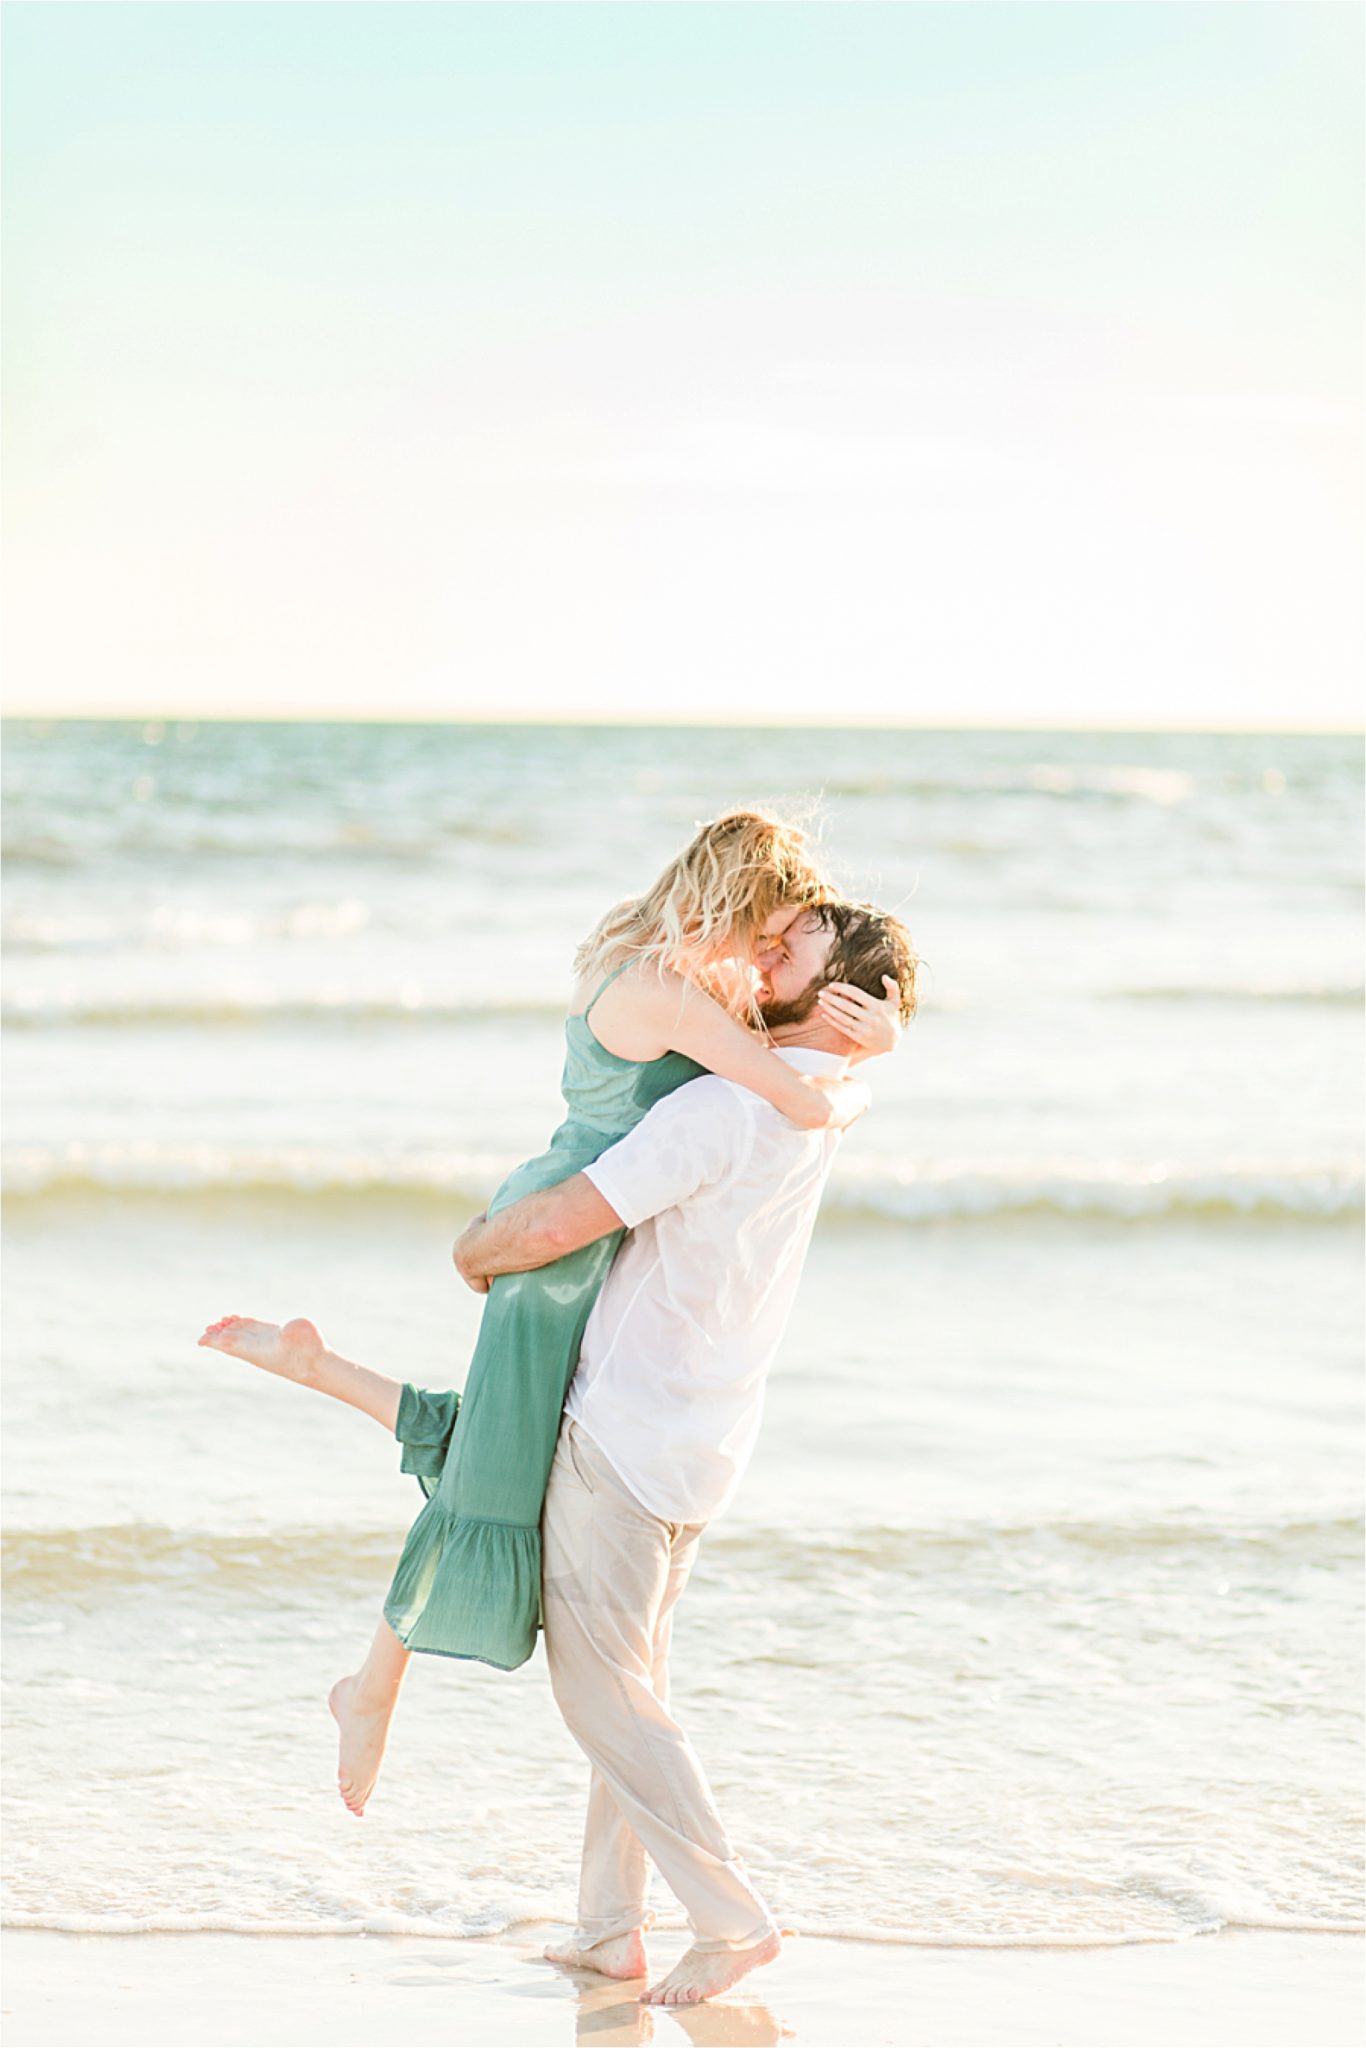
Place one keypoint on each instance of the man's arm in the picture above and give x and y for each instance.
(533, 1232)
(686, 1141)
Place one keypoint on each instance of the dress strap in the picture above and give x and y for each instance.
(603, 985)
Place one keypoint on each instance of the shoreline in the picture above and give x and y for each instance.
(668, 1930)
(141, 1990)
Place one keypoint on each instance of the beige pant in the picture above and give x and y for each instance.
(613, 1573)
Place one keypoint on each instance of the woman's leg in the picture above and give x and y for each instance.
(363, 1704)
(296, 1351)
(362, 1707)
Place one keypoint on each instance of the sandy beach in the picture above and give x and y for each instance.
(1258, 1990)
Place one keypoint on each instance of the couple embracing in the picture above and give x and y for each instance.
(638, 1277)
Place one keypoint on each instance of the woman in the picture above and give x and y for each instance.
(667, 981)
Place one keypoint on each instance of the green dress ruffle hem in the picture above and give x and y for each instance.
(468, 1583)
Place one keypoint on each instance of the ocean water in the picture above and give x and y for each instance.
(1038, 1617)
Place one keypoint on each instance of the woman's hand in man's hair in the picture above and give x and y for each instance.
(873, 1022)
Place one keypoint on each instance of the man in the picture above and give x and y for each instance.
(719, 1194)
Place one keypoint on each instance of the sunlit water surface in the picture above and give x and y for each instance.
(1038, 1616)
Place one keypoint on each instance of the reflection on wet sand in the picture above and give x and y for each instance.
(606, 2018)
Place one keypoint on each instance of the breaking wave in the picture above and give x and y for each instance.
(66, 1562)
(1336, 995)
(1305, 1191)
(407, 1005)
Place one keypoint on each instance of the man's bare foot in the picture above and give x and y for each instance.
(621, 1955)
(363, 1736)
(293, 1350)
(701, 1973)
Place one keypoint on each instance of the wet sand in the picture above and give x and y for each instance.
(349, 1991)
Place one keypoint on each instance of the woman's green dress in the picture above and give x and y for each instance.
(469, 1581)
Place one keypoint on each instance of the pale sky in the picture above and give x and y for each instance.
(943, 363)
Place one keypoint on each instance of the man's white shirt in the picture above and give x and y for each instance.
(719, 1193)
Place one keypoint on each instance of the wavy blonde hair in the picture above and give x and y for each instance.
(713, 899)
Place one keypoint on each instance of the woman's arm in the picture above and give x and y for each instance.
(695, 1025)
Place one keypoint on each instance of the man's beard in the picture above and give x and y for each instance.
(797, 1010)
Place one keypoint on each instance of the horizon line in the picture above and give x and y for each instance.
(606, 721)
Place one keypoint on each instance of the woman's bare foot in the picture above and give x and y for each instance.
(701, 1973)
(293, 1350)
(621, 1955)
(363, 1736)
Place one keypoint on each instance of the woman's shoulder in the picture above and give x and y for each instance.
(642, 984)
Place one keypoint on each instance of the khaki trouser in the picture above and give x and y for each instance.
(613, 1573)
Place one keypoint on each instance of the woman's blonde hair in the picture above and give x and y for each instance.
(712, 899)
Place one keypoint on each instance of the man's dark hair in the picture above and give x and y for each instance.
(868, 944)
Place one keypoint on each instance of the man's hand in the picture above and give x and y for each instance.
(463, 1254)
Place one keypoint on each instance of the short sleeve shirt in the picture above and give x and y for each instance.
(719, 1193)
